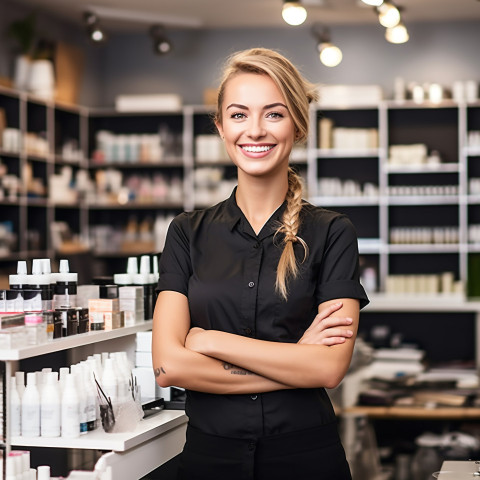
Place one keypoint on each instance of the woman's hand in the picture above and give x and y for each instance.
(326, 329)
(194, 339)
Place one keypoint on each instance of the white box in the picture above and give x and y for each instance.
(161, 102)
(349, 95)
(146, 379)
(143, 359)
(144, 342)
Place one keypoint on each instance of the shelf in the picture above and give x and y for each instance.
(440, 413)
(345, 201)
(424, 248)
(441, 168)
(73, 341)
(147, 429)
(168, 162)
(369, 245)
(135, 206)
(472, 151)
(421, 303)
(8, 153)
(418, 200)
(347, 153)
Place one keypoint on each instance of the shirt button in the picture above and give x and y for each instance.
(254, 397)
(251, 284)
(251, 446)
(257, 245)
(248, 331)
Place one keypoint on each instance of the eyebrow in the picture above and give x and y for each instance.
(266, 107)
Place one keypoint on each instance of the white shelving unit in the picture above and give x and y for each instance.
(165, 430)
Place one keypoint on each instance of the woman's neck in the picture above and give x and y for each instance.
(258, 199)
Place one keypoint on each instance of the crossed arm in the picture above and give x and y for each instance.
(219, 362)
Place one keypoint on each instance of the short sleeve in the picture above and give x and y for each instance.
(175, 266)
(339, 271)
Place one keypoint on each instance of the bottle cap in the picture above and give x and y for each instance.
(19, 279)
(37, 266)
(155, 264)
(38, 279)
(43, 472)
(141, 279)
(64, 267)
(22, 267)
(145, 264)
(31, 378)
(132, 265)
(46, 267)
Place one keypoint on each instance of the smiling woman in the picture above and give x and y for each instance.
(259, 297)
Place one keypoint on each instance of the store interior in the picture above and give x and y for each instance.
(114, 137)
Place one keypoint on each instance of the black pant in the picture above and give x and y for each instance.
(313, 454)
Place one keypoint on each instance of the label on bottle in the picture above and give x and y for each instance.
(30, 420)
(50, 420)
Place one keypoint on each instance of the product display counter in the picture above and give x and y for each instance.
(155, 440)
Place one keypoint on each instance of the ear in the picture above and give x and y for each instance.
(219, 128)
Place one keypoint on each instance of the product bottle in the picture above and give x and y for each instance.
(19, 281)
(31, 408)
(39, 281)
(82, 398)
(50, 406)
(20, 380)
(70, 409)
(43, 472)
(91, 396)
(109, 380)
(65, 287)
(15, 410)
(64, 371)
(143, 279)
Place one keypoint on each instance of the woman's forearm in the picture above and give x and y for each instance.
(175, 365)
(299, 365)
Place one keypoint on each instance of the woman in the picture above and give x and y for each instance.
(259, 297)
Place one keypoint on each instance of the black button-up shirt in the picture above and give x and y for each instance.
(228, 273)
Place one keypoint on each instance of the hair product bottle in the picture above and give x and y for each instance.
(109, 380)
(15, 409)
(70, 409)
(50, 406)
(31, 408)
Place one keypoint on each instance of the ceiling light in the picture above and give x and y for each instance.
(373, 3)
(388, 15)
(330, 55)
(161, 43)
(293, 13)
(95, 33)
(397, 34)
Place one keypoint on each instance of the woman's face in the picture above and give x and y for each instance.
(256, 126)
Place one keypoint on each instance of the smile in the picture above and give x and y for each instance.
(257, 149)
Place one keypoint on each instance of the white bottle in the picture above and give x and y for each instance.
(109, 381)
(82, 398)
(64, 371)
(70, 409)
(15, 410)
(91, 396)
(20, 377)
(50, 407)
(31, 408)
(43, 472)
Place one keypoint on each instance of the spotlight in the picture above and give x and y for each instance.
(94, 31)
(161, 44)
(388, 15)
(293, 12)
(397, 34)
(330, 55)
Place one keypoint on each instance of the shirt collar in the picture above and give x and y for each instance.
(234, 214)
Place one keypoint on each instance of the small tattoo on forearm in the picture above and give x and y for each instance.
(159, 371)
(234, 370)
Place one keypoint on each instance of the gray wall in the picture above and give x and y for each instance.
(127, 65)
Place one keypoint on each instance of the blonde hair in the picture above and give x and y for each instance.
(297, 93)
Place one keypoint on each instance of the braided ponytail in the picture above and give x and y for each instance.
(287, 266)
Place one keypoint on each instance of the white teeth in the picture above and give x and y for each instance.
(254, 149)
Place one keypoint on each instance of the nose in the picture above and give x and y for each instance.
(256, 128)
